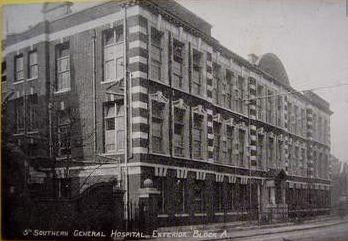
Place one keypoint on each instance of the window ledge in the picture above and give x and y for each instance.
(181, 157)
(62, 91)
(159, 154)
(112, 80)
(18, 82)
(33, 78)
(200, 214)
(61, 158)
(18, 134)
(112, 153)
(181, 215)
(219, 214)
(33, 132)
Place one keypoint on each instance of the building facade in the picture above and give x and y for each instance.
(142, 90)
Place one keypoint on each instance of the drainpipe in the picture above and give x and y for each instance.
(125, 72)
(94, 94)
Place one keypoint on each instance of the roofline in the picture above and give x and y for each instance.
(208, 38)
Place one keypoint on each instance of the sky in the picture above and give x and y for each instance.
(309, 36)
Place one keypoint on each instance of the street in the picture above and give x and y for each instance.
(337, 232)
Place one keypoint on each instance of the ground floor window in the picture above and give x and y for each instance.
(198, 196)
(161, 185)
(180, 201)
(219, 197)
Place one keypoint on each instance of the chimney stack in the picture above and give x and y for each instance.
(253, 58)
(53, 11)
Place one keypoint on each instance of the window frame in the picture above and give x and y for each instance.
(200, 112)
(159, 99)
(31, 65)
(197, 66)
(179, 105)
(32, 107)
(117, 48)
(179, 60)
(19, 77)
(59, 60)
(156, 35)
(3, 71)
(118, 114)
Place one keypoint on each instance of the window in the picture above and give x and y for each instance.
(303, 117)
(241, 147)
(19, 114)
(216, 89)
(303, 158)
(241, 94)
(19, 70)
(156, 54)
(229, 89)
(178, 61)
(63, 67)
(196, 73)
(33, 66)
(3, 71)
(180, 197)
(320, 129)
(290, 156)
(231, 194)
(279, 152)
(297, 159)
(259, 102)
(197, 136)
(218, 197)
(162, 200)
(114, 133)
(64, 135)
(179, 132)
(296, 119)
(279, 110)
(314, 125)
(217, 141)
(270, 152)
(113, 54)
(33, 112)
(198, 196)
(157, 126)
(229, 143)
(269, 113)
(259, 151)
(289, 116)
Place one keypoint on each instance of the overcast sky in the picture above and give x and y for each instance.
(309, 36)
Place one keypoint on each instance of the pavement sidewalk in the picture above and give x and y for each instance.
(240, 229)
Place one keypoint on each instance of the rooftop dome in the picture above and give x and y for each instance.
(271, 64)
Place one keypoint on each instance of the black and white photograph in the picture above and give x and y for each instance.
(174, 120)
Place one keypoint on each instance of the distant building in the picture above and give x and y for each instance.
(339, 176)
(218, 135)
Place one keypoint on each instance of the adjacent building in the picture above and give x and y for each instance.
(217, 135)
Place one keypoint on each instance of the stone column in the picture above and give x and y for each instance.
(148, 210)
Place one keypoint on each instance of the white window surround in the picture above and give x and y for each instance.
(199, 110)
(160, 99)
(180, 105)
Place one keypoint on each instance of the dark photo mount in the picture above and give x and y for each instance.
(129, 120)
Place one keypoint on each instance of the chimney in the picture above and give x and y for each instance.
(53, 11)
(253, 58)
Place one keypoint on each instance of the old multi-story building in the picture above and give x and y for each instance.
(216, 134)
